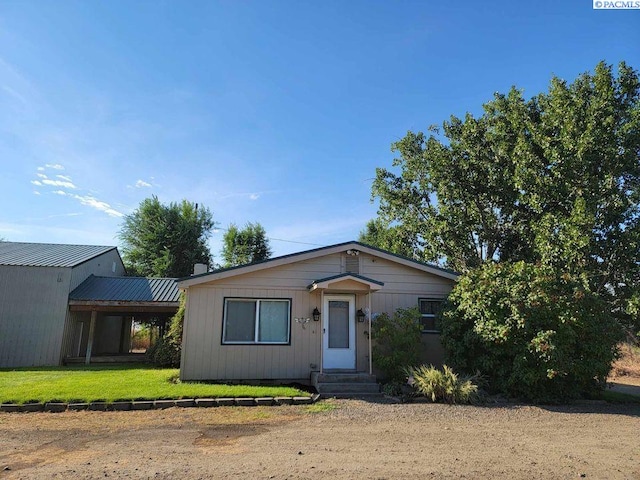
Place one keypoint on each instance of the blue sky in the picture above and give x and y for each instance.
(269, 111)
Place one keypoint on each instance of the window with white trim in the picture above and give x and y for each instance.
(429, 310)
(259, 321)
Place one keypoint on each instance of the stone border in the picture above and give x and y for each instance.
(158, 404)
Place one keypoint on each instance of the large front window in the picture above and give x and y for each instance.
(249, 320)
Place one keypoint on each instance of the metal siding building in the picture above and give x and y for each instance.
(35, 281)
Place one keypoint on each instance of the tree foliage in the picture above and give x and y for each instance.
(167, 350)
(396, 343)
(537, 333)
(166, 240)
(247, 245)
(390, 238)
(554, 180)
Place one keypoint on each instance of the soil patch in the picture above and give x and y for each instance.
(356, 439)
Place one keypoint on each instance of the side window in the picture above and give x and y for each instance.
(429, 309)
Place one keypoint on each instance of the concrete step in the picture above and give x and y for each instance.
(347, 388)
(325, 377)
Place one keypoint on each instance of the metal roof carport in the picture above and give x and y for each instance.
(134, 296)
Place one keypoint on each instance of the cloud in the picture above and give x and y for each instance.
(54, 166)
(65, 178)
(40, 169)
(59, 183)
(92, 202)
(37, 183)
(98, 205)
(41, 175)
(142, 184)
(35, 192)
(254, 196)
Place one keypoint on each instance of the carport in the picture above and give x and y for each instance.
(102, 310)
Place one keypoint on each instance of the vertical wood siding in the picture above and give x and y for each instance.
(100, 266)
(33, 307)
(205, 358)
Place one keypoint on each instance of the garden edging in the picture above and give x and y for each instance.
(55, 407)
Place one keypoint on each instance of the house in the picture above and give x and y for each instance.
(295, 317)
(63, 301)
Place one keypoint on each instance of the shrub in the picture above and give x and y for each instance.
(443, 385)
(167, 350)
(396, 342)
(535, 333)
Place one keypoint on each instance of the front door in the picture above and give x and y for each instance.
(339, 337)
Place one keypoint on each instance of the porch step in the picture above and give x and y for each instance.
(345, 384)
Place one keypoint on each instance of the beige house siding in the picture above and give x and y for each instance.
(205, 358)
(33, 307)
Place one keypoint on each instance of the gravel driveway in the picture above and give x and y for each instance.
(356, 439)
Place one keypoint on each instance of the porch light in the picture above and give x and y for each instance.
(316, 314)
(360, 315)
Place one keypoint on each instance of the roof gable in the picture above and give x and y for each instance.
(311, 254)
(48, 254)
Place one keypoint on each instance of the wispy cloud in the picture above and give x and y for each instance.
(37, 183)
(35, 192)
(142, 184)
(92, 202)
(41, 169)
(54, 166)
(59, 183)
(247, 195)
(64, 177)
(41, 175)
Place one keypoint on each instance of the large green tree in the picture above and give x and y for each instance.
(554, 180)
(392, 238)
(246, 245)
(166, 240)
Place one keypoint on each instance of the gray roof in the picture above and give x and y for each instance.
(47, 254)
(127, 289)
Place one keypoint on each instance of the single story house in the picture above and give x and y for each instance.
(63, 301)
(289, 318)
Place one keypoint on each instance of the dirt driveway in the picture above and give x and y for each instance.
(356, 439)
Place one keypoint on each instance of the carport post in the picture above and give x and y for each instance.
(92, 331)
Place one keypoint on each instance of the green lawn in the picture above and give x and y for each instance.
(112, 383)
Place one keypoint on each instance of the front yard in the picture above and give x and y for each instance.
(114, 383)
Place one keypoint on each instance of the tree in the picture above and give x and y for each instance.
(536, 332)
(166, 240)
(247, 245)
(389, 238)
(554, 180)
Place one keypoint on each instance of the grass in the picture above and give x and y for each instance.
(113, 383)
(321, 407)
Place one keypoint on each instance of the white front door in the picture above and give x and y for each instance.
(339, 332)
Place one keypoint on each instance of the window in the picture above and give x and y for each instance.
(256, 321)
(430, 308)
